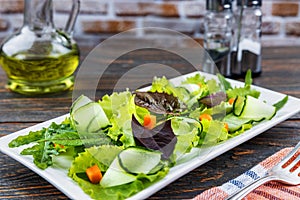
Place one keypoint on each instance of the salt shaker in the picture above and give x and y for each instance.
(248, 38)
(218, 33)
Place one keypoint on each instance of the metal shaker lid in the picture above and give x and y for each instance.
(249, 3)
(218, 5)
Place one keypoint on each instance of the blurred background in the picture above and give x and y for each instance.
(100, 19)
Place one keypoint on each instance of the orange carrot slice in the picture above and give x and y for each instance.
(94, 174)
(231, 101)
(205, 116)
(149, 121)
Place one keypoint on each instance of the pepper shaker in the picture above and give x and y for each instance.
(218, 34)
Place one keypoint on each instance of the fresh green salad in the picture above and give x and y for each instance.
(129, 140)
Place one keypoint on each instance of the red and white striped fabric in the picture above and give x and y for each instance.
(271, 190)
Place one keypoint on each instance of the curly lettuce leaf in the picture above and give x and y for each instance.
(213, 132)
(119, 108)
(163, 85)
(101, 155)
(207, 86)
(186, 131)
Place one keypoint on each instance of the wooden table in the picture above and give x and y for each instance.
(281, 73)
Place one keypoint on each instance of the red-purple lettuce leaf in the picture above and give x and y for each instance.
(214, 99)
(161, 137)
(159, 103)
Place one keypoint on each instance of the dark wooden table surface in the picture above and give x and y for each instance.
(281, 72)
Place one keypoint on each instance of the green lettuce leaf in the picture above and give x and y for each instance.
(163, 85)
(119, 108)
(243, 91)
(186, 131)
(213, 133)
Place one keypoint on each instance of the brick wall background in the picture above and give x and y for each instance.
(100, 19)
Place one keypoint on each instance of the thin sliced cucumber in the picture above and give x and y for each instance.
(235, 123)
(79, 102)
(136, 160)
(257, 110)
(238, 105)
(191, 87)
(90, 118)
(116, 175)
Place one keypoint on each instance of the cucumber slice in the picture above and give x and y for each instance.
(90, 118)
(235, 123)
(257, 110)
(115, 175)
(79, 102)
(191, 87)
(238, 105)
(136, 160)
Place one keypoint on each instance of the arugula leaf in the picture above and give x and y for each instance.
(32, 136)
(87, 139)
(41, 154)
(44, 148)
(42, 151)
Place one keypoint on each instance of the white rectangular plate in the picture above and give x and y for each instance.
(57, 174)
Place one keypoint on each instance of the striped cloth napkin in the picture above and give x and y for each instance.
(271, 190)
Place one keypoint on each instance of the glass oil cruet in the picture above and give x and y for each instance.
(38, 58)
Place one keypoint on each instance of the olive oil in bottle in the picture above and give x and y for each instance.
(43, 68)
(38, 58)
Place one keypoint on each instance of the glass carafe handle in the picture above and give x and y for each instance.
(73, 16)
